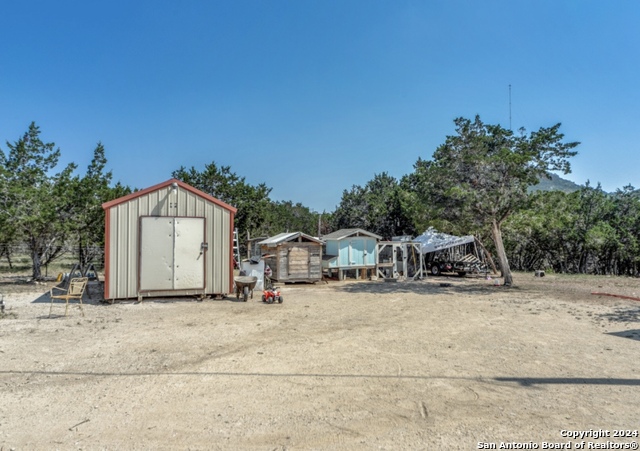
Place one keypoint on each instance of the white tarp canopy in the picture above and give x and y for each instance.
(432, 240)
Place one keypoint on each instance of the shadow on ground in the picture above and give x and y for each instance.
(453, 285)
(522, 381)
(633, 334)
(92, 295)
(623, 315)
(532, 381)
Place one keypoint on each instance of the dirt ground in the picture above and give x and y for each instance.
(345, 365)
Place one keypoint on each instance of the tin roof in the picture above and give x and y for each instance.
(346, 233)
(287, 236)
(179, 183)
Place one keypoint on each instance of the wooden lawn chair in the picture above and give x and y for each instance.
(74, 292)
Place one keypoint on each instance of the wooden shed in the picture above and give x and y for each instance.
(350, 250)
(168, 240)
(293, 257)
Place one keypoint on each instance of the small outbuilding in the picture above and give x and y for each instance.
(293, 257)
(399, 258)
(351, 250)
(168, 240)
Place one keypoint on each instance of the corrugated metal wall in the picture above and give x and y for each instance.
(123, 229)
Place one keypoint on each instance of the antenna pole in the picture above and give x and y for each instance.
(509, 107)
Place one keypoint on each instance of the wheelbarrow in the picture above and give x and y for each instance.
(245, 286)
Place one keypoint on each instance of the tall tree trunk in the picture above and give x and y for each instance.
(83, 255)
(496, 234)
(6, 251)
(35, 257)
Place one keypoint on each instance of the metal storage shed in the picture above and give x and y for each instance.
(293, 257)
(350, 249)
(168, 240)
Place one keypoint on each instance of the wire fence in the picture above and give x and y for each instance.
(19, 257)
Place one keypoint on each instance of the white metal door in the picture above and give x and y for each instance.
(171, 253)
(156, 253)
(188, 254)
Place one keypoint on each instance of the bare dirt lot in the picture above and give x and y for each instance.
(345, 365)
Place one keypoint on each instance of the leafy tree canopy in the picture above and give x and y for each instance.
(35, 202)
(480, 175)
(252, 201)
(378, 207)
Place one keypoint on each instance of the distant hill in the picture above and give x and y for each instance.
(556, 183)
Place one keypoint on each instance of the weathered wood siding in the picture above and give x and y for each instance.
(297, 262)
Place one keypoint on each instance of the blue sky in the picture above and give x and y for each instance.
(312, 97)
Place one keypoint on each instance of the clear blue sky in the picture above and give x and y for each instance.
(312, 97)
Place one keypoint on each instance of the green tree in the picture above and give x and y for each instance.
(252, 202)
(379, 207)
(586, 231)
(35, 203)
(540, 235)
(8, 232)
(87, 194)
(626, 221)
(285, 216)
(352, 210)
(593, 207)
(480, 176)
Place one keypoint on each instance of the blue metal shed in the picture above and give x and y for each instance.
(350, 249)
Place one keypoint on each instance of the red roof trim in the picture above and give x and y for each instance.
(181, 184)
(107, 253)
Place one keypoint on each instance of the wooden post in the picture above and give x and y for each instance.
(493, 265)
(248, 246)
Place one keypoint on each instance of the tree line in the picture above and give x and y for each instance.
(585, 231)
(46, 208)
(477, 182)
